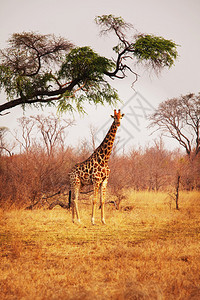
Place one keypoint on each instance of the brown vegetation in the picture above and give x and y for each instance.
(40, 170)
(29, 177)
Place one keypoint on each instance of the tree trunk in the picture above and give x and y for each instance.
(177, 191)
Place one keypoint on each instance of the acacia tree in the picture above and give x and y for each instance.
(179, 118)
(41, 69)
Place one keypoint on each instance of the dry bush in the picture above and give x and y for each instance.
(31, 175)
(26, 177)
(189, 170)
(41, 169)
(152, 168)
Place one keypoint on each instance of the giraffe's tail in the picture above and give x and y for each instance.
(70, 196)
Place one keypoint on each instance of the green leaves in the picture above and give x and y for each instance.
(88, 68)
(17, 85)
(158, 51)
(85, 64)
(6, 81)
(44, 69)
(153, 51)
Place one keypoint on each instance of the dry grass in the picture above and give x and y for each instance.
(147, 250)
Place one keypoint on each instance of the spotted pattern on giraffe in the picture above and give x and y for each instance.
(94, 171)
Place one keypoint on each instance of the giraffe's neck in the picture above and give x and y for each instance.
(104, 150)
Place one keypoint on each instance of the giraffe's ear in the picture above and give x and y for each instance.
(112, 116)
(122, 115)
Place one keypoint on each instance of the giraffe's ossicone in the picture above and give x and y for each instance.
(94, 171)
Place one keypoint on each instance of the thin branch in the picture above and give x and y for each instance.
(4, 148)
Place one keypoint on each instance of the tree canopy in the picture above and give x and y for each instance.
(39, 69)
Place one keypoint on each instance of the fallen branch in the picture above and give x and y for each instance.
(58, 202)
(30, 207)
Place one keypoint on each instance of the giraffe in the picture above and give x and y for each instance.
(94, 171)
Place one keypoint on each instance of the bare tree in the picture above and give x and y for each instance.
(179, 118)
(93, 131)
(3, 144)
(52, 131)
(26, 129)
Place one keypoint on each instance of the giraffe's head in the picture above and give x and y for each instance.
(117, 117)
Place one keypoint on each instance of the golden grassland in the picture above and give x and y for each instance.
(147, 250)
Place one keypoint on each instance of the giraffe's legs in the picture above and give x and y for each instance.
(102, 199)
(96, 189)
(75, 194)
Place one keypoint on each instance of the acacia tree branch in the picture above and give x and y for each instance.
(118, 65)
(38, 69)
(38, 97)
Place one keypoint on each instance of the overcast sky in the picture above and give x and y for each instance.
(173, 19)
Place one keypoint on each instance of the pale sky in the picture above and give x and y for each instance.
(172, 19)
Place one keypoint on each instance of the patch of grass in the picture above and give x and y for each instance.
(150, 251)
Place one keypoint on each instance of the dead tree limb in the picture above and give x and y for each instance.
(58, 202)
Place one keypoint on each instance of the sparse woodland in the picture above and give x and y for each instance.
(40, 169)
(149, 248)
